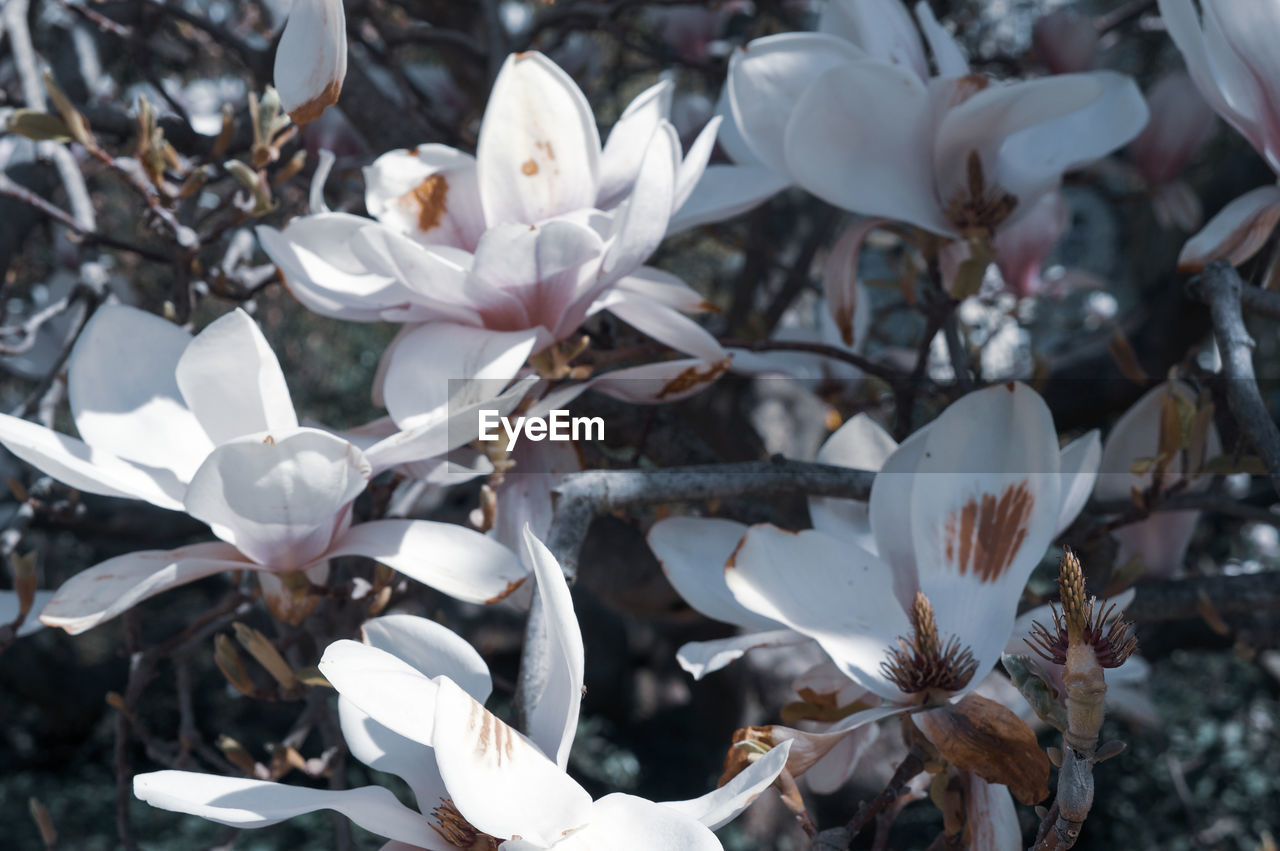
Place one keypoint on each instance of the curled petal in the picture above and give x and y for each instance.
(1236, 233)
(700, 658)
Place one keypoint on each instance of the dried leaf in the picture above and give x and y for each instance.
(1125, 575)
(1226, 465)
(1197, 442)
(228, 661)
(311, 676)
(40, 126)
(44, 822)
(76, 123)
(1126, 358)
(237, 755)
(981, 736)
(264, 651)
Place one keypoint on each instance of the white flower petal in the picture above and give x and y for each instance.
(500, 782)
(983, 512)
(75, 463)
(390, 691)
(664, 324)
(440, 368)
(877, 168)
(990, 815)
(432, 648)
(831, 772)
(642, 219)
(107, 589)
(453, 559)
(621, 822)
(882, 28)
(539, 151)
(279, 500)
(553, 714)
(694, 164)
(700, 658)
(1079, 460)
(123, 395)
(9, 606)
(659, 383)
(828, 589)
(947, 55)
(860, 444)
(245, 803)
(693, 552)
(840, 281)
(232, 381)
(718, 808)
(766, 80)
(1236, 233)
(628, 140)
(429, 193)
(890, 505)
(437, 282)
(664, 288)
(311, 59)
(725, 192)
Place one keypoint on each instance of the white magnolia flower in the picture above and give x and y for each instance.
(411, 704)
(311, 59)
(1232, 61)
(1161, 540)
(493, 258)
(205, 425)
(981, 492)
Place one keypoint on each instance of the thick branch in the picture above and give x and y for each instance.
(1220, 287)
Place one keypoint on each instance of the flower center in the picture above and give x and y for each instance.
(456, 830)
(925, 663)
(1082, 621)
(977, 210)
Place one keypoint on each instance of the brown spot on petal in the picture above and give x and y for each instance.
(980, 735)
(506, 592)
(429, 199)
(985, 534)
(495, 740)
(692, 377)
(311, 110)
(968, 86)
(530, 168)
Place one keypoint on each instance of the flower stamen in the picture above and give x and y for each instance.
(925, 663)
(1082, 621)
(976, 211)
(456, 830)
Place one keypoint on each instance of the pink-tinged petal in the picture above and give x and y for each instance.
(438, 278)
(1239, 43)
(453, 559)
(833, 770)
(621, 822)
(541, 268)
(429, 193)
(1181, 124)
(664, 288)
(279, 500)
(841, 597)
(123, 395)
(320, 270)
(808, 748)
(75, 463)
(664, 324)
(1023, 246)
(243, 803)
(983, 512)
(1236, 233)
(500, 782)
(860, 444)
(1136, 435)
(642, 219)
(718, 808)
(693, 552)
(232, 381)
(382, 749)
(388, 690)
(311, 59)
(840, 276)
(882, 28)
(553, 715)
(1028, 134)
(1161, 540)
(432, 648)
(730, 139)
(767, 78)
(441, 367)
(524, 496)
(891, 506)
(725, 192)
(451, 427)
(1066, 41)
(107, 589)
(694, 164)
(628, 140)
(947, 55)
(539, 151)
(659, 383)
(9, 606)
(700, 658)
(876, 168)
(1079, 463)
(990, 818)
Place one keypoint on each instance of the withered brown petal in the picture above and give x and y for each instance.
(982, 736)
